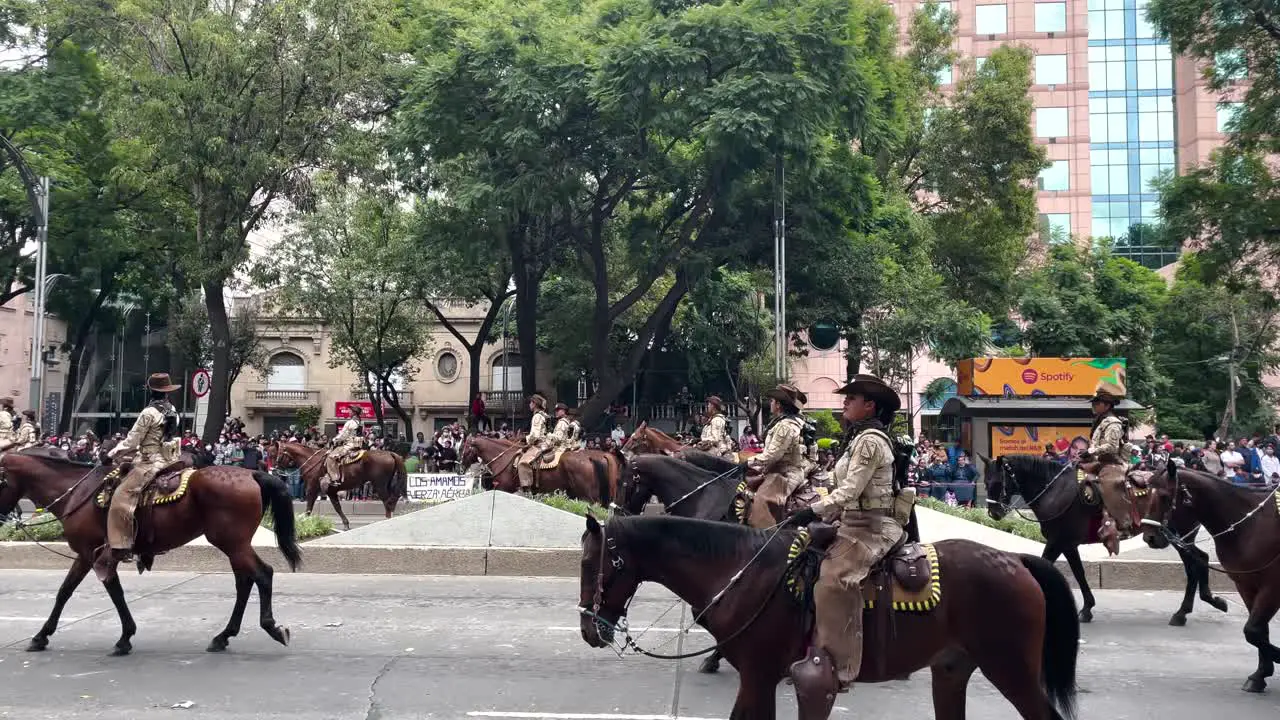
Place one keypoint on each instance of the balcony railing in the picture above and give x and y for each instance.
(500, 401)
(405, 396)
(261, 397)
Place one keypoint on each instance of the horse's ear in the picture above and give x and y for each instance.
(593, 525)
(985, 460)
(643, 424)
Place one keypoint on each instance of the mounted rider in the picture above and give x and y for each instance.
(863, 503)
(154, 437)
(6, 421)
(574, 437)
(27, 435)
(782, 461)
(1108, 464)
(536, 442)
(348, 441)
(715, 434)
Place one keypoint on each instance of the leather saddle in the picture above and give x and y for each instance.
(907, 564)
(167, 486)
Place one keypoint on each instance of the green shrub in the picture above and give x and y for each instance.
(42, 529)
(560, 501)
(1012, 523)
(306, 527)
(827, 424)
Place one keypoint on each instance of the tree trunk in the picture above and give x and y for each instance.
(220, 331)
(393, 398)
(80, 338)
(527, 328)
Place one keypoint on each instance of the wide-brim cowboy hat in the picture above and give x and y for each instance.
(538, 399)
(30, 414)
(6, 400)
(789, 395)
(1107, 392)
(873, 388)
(562, 406)
(356, 410)
(715, 400)
(571, 412)
(160, 382)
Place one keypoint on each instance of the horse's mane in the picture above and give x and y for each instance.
(55, 455)
(668, 535)
(1036, 464)
(684, 466)
(1243, 490)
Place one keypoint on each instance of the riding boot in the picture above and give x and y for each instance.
(1111, 481)
(330, 475)
(838, 606)
(526, 477)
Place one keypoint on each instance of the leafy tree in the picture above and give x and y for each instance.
(1089, 303)
(190, 339)
(337, 265)
(234, 105)
(307, 417)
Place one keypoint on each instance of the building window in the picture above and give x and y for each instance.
(1106, 24)
(1152, 163)
(1108, 121)
(1051, 17)
(978, 63)
(944, 76)
(1227, 113)
(506, 373)
(1155, 119)
(286, 372)
(1051, 69)
(1051, 122)
(1109, 173)
(447, 366)
(991, 19)
(1155, 67)
(1144, 29)
(1057, 176)
(1055, 227)
(1106, 68)
(1111, 219)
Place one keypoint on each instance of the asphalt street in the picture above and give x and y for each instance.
(391, 647)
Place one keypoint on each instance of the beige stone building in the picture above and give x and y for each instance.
(300, 376)
(16, 323)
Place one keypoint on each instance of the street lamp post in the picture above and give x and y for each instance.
(36, 398)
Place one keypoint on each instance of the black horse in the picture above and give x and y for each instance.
(684, 489)
(1068, 521)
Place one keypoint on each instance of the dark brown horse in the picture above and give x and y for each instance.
(1245, 527)
(225, 504)
(383, 469)
(573, 475)
(1012, 616)
(647, 439)
(1068, 521)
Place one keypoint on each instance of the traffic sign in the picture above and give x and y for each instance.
(201, 381)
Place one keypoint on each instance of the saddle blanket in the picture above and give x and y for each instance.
(355, 458)
(912, 561)
(164, 489)
(549, 460)
(904, 600)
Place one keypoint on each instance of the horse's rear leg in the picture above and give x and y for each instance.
(951, 673)
(244, 584)
(75, 575)
(1261, 610)
(1018, 679)
(1077, 571)
(128, 628)
(337, 506)
(267, 619)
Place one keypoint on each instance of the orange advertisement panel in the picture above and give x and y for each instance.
(1032, 439)
(1041, 376)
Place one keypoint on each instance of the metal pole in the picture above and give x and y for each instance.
(37, 330)
(146, 347)
(506, 367)
(779, 268)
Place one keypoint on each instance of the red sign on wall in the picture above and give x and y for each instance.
(343, 409)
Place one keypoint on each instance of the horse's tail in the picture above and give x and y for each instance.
(601, 470)
(399, 479)
(276, 497)
(1061, 635)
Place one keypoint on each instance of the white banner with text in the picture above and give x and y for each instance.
(440, 487)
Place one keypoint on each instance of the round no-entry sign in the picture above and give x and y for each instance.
(201, 381)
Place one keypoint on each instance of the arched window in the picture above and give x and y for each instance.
(288, 372)
(506, 366)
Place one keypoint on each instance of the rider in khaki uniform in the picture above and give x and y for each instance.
(6, 420)
(26, 436)
(574, 438)
(863, 504)
(1105, 449)
(561, 435)
(150, 437)
(782, 460)
(349, 440)
(715, 434)
(536, 442)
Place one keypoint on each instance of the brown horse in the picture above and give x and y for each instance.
(650, 440)
(1013, 616)
(1245, 527)
(1068, 521)
(573, 476)
(223, 503)
(384, 469)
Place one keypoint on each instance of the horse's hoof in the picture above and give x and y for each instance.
(217, 645)
(709, 666)
(280, 634)
(37, 644)
(902, 678)
(1086, 615)
(1254, 685)
(121, 650)
(1179, 619)
(1217, 603)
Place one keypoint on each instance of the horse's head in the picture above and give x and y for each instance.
(1168, 507)
(104, 450)
(639, 442)
(469, 456)
(635, 492)
(999, 480)
(279, 455)
(12, 487)
(608, 581)
(43, 475)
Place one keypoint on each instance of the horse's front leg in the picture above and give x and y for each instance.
(127, 627)
(757, 699)
(75, 575)
(711, 664)
(1077, 570)
(337, 506)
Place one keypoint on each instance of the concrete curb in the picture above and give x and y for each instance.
(1115, 574)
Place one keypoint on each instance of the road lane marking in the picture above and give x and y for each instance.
(575, 628)
(579, 715)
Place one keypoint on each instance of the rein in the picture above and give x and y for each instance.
(629, 643)
(1008, 474)
(1179, 491)
(53, 517)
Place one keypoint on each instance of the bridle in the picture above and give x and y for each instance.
(1008, 479)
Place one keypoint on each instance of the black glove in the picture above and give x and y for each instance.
(803, 516)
